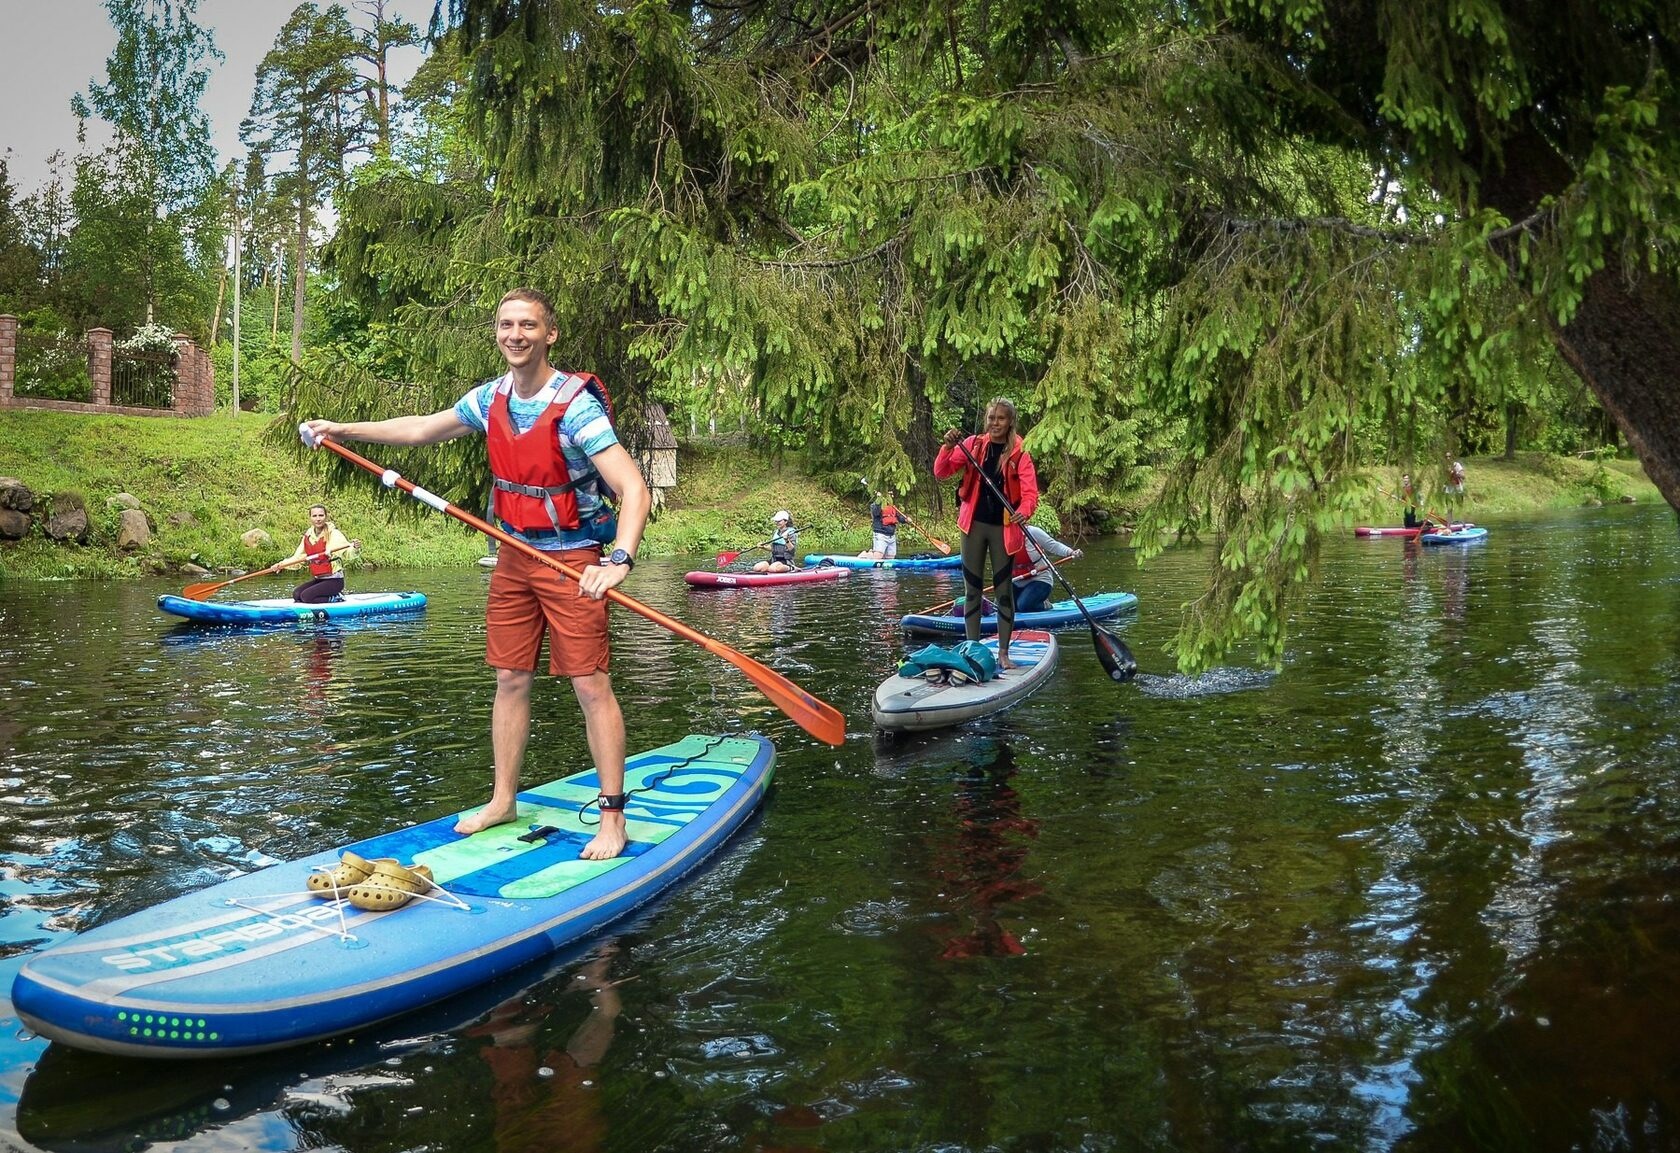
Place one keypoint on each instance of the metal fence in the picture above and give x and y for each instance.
(143, 379)
(52, 366)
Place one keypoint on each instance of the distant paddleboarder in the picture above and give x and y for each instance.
(323, 548)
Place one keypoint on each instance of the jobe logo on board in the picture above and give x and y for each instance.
(174, 952)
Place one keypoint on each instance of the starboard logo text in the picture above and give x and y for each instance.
(235, 938)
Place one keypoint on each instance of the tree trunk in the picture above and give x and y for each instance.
(1624, 339)
(1513, 413)
(1625, 342)
(298, 265)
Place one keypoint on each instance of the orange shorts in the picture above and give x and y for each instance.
(527, 599)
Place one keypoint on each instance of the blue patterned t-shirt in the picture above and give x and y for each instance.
(584, 431)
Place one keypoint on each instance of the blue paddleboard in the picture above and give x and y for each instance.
(1463, 535)
(910, 563)
(285, 610)
(260, 962)
(1057, 614)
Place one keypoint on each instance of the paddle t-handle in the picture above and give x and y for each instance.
(1112, 652)
(816, 716)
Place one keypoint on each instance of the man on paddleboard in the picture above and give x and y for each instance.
(555, 459)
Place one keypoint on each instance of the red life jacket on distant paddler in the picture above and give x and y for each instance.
(889, 515)
(320, 564)
(534, 490)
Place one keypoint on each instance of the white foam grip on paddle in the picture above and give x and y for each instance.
(390, 477)
(309, 438)
(432, 499)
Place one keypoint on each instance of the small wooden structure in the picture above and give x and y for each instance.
(659, 454)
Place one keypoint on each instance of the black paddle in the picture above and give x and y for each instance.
(1115, 657)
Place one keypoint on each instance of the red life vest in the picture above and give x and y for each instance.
(320, 564)
(534, 490)
(889, 515)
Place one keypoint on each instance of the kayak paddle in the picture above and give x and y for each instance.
(1112, 653)
(941, 607)
(724, 558)
(815, 716)
(201, 592)
(905, 517)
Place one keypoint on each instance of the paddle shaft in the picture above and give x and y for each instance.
(815, 716)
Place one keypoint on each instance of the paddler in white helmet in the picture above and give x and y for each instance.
(784, 545)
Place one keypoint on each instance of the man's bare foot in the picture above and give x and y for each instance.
(485, 818)
(608, 843)
(1004, 663)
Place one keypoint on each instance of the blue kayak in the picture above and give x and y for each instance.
(1057, 614)
(285, 610)
(911, 563)
(1463, 535)
(261, 962)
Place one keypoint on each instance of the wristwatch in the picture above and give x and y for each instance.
(619, 556)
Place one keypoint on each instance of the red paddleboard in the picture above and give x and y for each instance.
(753, 580)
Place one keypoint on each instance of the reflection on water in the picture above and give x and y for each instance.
(1413, 891)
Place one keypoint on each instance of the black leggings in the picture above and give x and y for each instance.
(317, 590)
(977, 542)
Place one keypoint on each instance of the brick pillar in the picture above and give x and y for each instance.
(8, 357)
(186, 375)
(206, 382)
(99, 364)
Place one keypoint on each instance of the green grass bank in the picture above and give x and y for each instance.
(205, 482)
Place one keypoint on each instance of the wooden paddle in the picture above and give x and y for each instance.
(1116, 659)
(815, 716)
(941, 607)
(905, 517)
(201, 592)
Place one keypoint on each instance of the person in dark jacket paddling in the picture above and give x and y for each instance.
(989, 531)
(323, 547)
(553, 452)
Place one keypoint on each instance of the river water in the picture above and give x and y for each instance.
(1414, 891)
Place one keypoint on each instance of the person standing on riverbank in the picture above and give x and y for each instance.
(323, 547)
(554, 459)
(989, 530)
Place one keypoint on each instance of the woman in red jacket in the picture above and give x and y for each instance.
(987, 526)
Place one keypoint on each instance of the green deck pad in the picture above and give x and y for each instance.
(496, 863)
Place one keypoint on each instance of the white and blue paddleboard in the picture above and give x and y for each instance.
(1463, 534)
(285, 610)
(1055, 615)
(260, 962)
(912, 704)
(908, 563)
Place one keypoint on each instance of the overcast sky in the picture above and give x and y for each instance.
(52, 49)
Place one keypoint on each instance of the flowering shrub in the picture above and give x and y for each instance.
(148, 338)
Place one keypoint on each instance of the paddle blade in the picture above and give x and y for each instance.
(1115, 658)
(201, 592)
(819, 718)
(724, 558)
